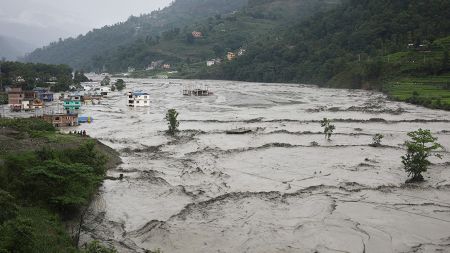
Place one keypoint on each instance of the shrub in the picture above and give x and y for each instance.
(8, 208)
(376, 140)
(172, 121)
(62, 186)
(27, 124)
(120, 84)
(96, 247)
(419, 149)
(328, 128)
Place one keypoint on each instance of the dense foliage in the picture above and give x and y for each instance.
(120, 84)
(167, 35)
(349, 46)
(172, 121)
(419, 149)
(40, 187)
(29, 75)
(82, 51)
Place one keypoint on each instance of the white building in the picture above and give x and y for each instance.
(104, 90)
(138, 99)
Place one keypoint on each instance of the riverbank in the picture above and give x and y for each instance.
(46, 179)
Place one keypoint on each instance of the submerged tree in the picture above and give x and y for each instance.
(172, 121)
(328, 128)
(120, 84)
(418, 150)
(376, 140)
(106, 81)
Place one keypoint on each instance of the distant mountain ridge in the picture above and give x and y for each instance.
(11, 48)
(78, 52)
(226, 25)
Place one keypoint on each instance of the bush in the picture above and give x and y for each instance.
(172, 121)
(62, 186)
(96, 247)
(328, 128)
(419, 149)
(8, 208)
(120, 84)
(27, 124)
(376, 140)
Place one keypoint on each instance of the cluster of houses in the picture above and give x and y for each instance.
(230, 56)
(158, 65)
(27, 100)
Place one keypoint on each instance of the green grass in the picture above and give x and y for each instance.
(433, 92)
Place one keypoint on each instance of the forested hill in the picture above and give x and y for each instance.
(226, 25)
(220, 34)
(357, 44)
(78, 52)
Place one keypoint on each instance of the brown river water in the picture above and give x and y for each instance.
(271, 190)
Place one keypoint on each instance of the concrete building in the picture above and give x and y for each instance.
(138, 99)
(15, 97)
(61, 120)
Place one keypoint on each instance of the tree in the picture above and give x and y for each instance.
(79, 77)
(120, 84)
(328, 128)
(96, 247)
(106, 81)
(16, 235)
(376, 140)
(445, 61)
(419, 149)
(8, 208)
(172, 121)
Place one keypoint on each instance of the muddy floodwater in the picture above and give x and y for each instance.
(280, 188)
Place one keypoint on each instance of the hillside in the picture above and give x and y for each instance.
(220, 34)
(360, 44)
(166, 34)
(46, 179)
(78, 52)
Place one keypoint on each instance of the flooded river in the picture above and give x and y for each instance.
(281, 188)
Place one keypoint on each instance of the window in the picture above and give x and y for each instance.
(56, 118)
(145, 102)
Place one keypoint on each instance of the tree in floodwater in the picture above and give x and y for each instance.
(120, 84)
(172, 121)
(376, 140)
(419, 149)
(106, 81)
(328, 128)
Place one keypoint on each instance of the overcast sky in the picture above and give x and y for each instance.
(42, 21)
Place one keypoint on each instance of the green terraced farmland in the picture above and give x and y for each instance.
(433, 92)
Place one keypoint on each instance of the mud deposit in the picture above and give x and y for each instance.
(271, 190)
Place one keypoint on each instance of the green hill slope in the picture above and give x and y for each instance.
(346, 46)
(78, 52)
(166, 35)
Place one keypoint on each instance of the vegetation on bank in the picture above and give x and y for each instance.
(45, 179)
(29, 75)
